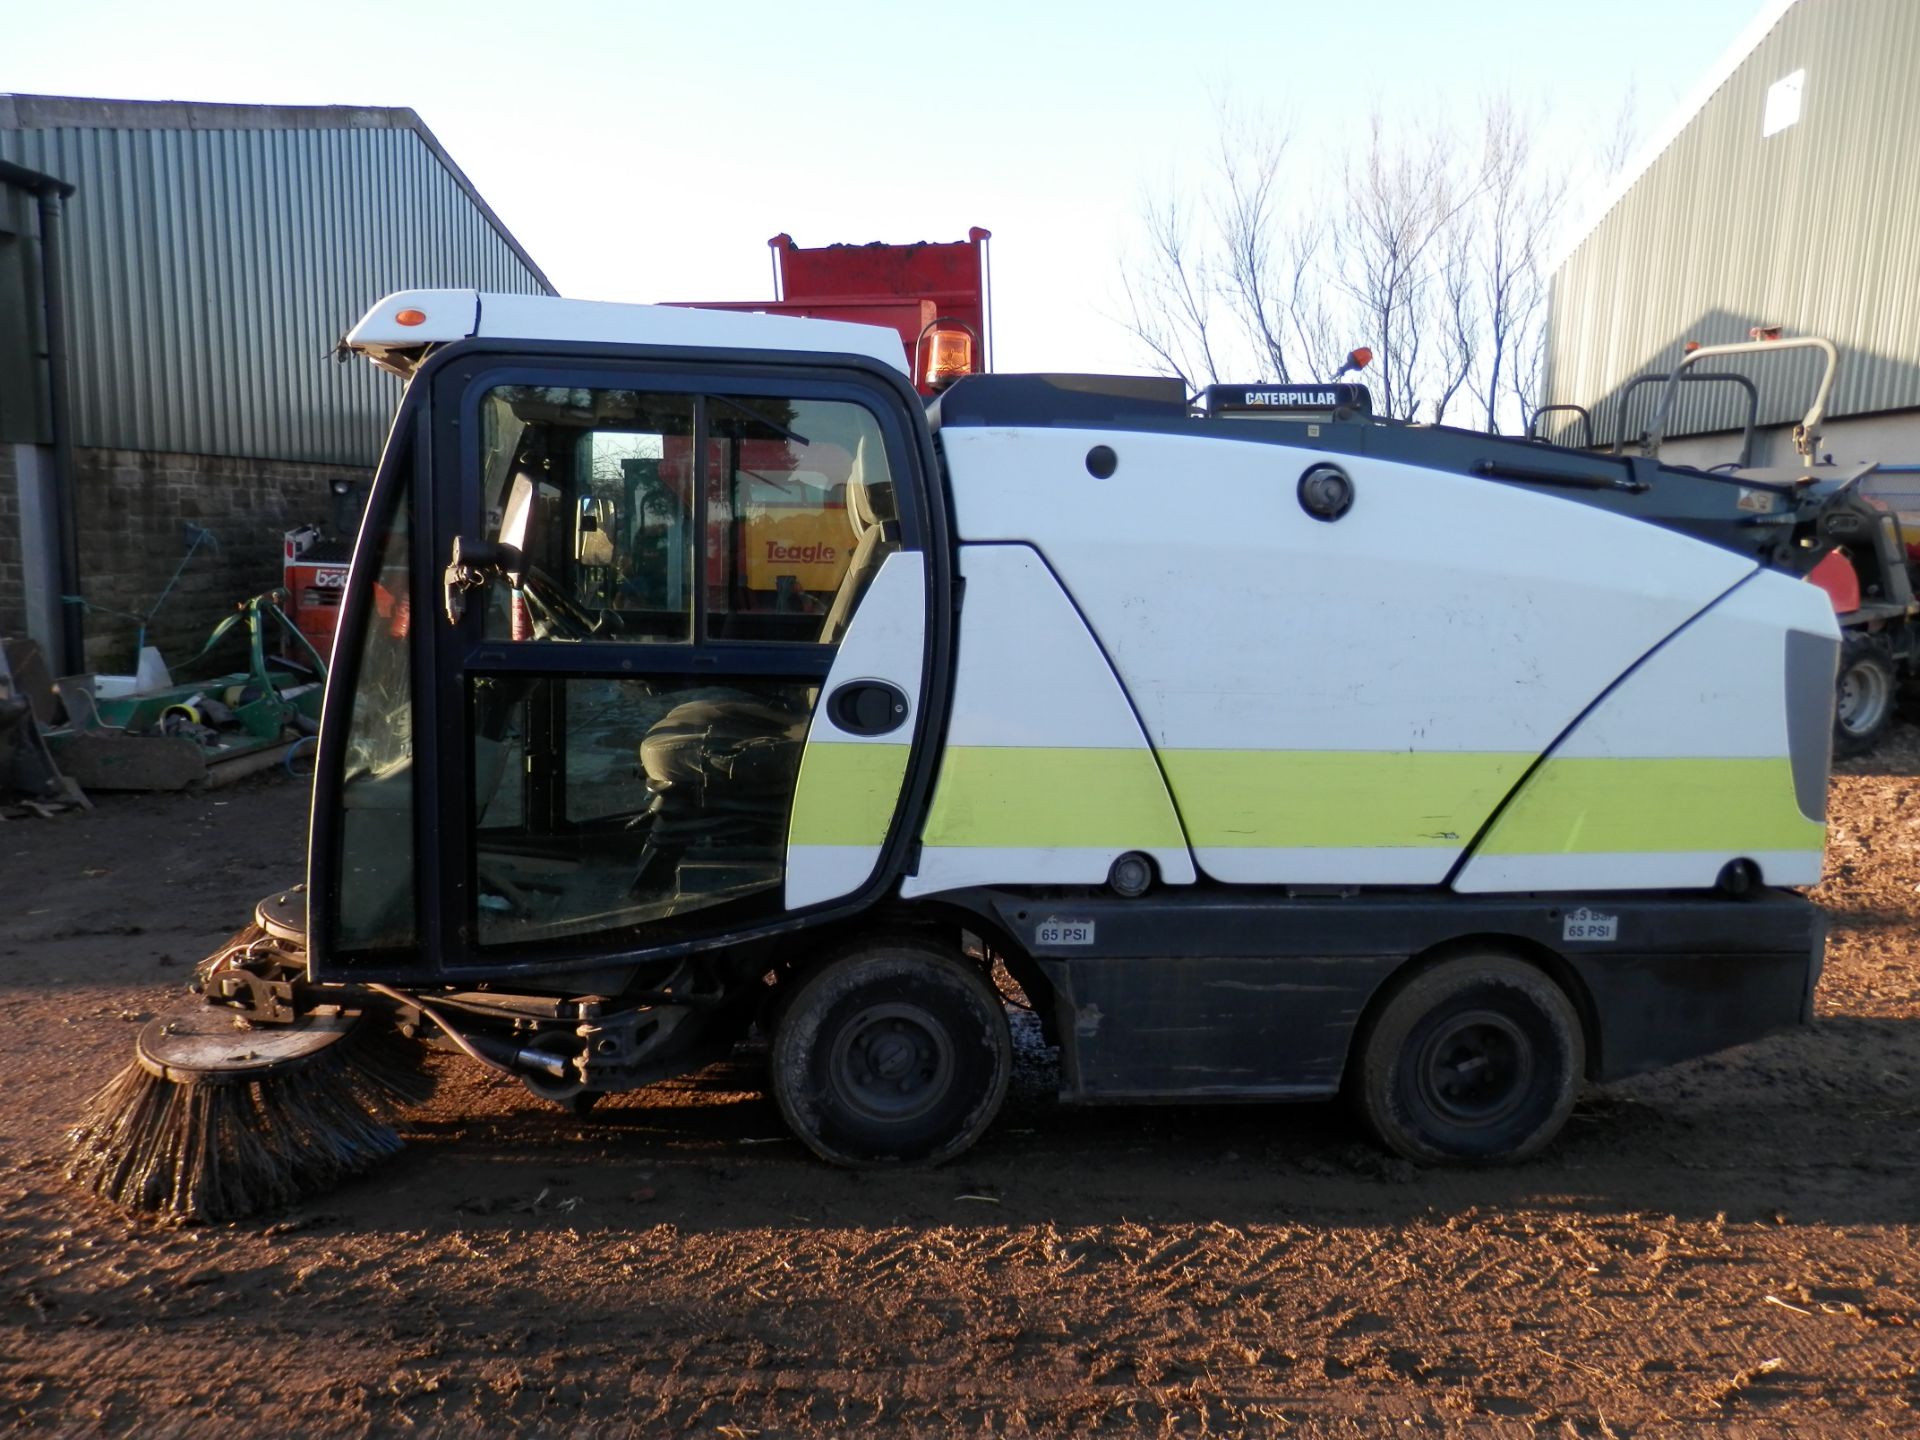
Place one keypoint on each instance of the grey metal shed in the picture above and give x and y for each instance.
(1781, 194)
(211, 256)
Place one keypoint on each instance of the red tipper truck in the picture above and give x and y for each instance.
(935, 294)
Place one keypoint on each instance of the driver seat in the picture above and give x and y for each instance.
(724, 768)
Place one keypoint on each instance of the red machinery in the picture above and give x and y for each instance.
(936, 294)
(314, 572)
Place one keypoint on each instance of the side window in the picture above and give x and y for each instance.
(375, 839)
(600, 805)
(594, 488)
(684, 564)
(800, 507)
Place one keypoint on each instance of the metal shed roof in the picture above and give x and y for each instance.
(216, 253)
(79, 112)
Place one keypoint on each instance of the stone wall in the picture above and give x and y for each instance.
(134, 509)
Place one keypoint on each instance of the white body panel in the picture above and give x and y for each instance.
(1714, 693)
(1628, 870)
(1714, 690)
(1040, 734)
(886, 640)
(1443, 615)
(460, 314)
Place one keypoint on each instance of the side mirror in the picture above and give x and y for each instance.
(592, 540)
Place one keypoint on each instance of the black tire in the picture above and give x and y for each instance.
(1475, 1060)
(893, 1053)
(1865, 697)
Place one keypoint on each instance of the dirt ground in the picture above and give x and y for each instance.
(1726, 1247)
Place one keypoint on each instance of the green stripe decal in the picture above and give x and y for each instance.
(1006, 797)
(846, 794)
(1620, 806)
(1338, 799)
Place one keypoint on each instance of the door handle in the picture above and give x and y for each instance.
(474, 563)
(867, 707)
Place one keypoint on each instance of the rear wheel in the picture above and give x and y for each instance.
(1863, 699)
(896, 1052)
(1477, 1059)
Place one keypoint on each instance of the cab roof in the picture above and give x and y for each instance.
(396, 333)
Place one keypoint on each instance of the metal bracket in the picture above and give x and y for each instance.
(267, 1002)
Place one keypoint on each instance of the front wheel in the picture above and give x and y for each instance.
(1476, 1059)
(896, 1052)
(1863, 697)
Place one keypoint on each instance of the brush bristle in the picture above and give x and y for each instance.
(228, 1149)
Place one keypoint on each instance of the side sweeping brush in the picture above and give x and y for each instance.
(217, 1118)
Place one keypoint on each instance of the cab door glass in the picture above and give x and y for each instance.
(605, 804)
(680, 568)
(799, 498)
(374, 860)
(593, 489)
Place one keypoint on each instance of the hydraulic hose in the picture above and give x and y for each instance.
(541, 1060)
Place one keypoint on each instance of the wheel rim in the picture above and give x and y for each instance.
(1477, 1068)
(1863, 698)
(892, 1062)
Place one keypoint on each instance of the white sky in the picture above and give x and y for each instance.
(646, 151)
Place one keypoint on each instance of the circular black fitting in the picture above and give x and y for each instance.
(1102, 462)
(1325, 492)
(1130, 875)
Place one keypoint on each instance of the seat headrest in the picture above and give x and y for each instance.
(860, 512)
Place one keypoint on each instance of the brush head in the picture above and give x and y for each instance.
(213, 1045)
(214, 1120)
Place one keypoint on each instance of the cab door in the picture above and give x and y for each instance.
(677, 651)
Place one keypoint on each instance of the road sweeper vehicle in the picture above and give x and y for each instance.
(1272, 760)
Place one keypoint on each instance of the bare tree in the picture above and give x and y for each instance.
(1622, 138)
(1430, 253)
(1458, 316)
(1520, 207)
(1270, 268)
(1399, 198)
(1170, 295)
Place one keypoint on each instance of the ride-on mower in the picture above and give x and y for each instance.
(694, 676)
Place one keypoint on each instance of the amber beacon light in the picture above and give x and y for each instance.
(949, 347)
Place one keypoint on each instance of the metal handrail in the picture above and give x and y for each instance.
(1586, 421)
(1806, 434)
(1709, 376)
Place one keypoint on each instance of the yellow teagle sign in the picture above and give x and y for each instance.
(813, 546)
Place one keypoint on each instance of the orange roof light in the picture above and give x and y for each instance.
(1360, 358)
(410, 317)
(1690, 347)
(949, 356)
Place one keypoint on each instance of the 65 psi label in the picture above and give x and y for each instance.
(1063, 932)
(1590, 925)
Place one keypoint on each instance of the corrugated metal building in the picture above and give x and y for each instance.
(211, 257)
(1781, 194)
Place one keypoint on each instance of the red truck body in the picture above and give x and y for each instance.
(908, 288)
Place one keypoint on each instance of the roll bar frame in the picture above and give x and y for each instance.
(1806, 434)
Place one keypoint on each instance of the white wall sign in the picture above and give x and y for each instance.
(1783, 103)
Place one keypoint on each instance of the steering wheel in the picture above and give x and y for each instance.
(557, 611)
